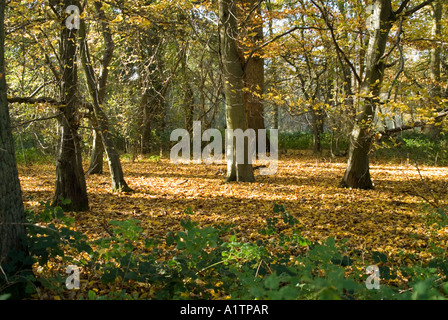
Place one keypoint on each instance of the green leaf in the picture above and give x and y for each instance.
(92, 295)
(272, 281)
(379, 257)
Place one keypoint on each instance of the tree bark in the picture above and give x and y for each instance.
(145, 132)
(357, 174)
(12, 216)
(188, 98)
(70, 179)
(254, 69)
(96, 158)
(233, 75)
(152, 107)
(97, 87)
(435, 90)
(318, 129)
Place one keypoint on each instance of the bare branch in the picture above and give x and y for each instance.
(418, 7)
(31, 100)
(252, 10)
(402, 7)
(261, 46)
(34, 120)
(335, 42)
(418, 124)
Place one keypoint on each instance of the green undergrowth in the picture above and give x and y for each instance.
(213, 262)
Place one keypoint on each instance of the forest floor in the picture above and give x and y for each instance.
(390, 218)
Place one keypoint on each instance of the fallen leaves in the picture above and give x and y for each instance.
(383, 219)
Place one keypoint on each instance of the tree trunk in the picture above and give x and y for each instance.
(70, 179)
(275, 123)
(145, 127)
(318, 129)
(254, 71)
(435, 90)
(233, 75)
(254, 83)
(153, 87)
(96, 158)
(97, 89)
(152, 110)
(357, 174)
(12, 217)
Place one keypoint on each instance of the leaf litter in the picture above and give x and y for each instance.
(387, 219)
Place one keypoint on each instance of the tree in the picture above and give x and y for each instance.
(357, 174)
(435, 90)
(233, 77)
(12, 216)
(70, 179)
(151, 68)
(97, 88)
(254, 66)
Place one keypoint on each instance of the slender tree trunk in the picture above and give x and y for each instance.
(357, 174)
(318, 129)
(70, 179)
(152, 108)
(233, 75)
(145, 127)
(188, 98)
(12, 217)
(96, 158)
(188, 106)
(275, 116)
(435, 89)
(97, 89)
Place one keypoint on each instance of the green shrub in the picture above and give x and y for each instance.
(31, 155)
(415, 147)
(213, 262)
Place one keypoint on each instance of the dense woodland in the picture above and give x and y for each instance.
(90, 92)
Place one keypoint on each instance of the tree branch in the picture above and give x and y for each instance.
(32, 100)
(402, 7)
(34, 120)
(252, 10)
(418, 124)
(261, 46)
(418, 7)
(335, 42)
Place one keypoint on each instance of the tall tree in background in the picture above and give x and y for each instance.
(97, 88)
(435, 88)
(12, 216)
(151, 65)
(70, 179)
(233, 77)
